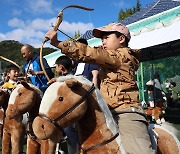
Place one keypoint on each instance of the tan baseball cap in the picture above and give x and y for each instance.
(97, 32)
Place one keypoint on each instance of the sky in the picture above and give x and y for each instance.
(27, 21)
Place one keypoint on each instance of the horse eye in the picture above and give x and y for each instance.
(60, 99)
(20, 94)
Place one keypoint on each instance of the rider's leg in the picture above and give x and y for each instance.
(134, 133)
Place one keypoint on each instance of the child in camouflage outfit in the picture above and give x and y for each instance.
(118, 81)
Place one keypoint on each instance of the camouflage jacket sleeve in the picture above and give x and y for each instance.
(99, 56)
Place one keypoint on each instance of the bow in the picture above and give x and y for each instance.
(8, 60)
(58, 22)
(12, 62)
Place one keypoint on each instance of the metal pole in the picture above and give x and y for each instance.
(0, 68)
(154, 88)
(0, 71)
(142, 81)
(137, 74)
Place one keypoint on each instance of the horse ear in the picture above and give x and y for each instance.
(25, 84)
(72, 83)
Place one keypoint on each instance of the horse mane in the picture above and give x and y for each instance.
(102, 104)
(166, 126)
(79, 78)
(21, 86)
(169, 127)
(32, 86)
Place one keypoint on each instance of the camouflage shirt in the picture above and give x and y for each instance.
(117, 73)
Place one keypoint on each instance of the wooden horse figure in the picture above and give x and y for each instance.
(156, 113)
(4, 98)
(97, 131)
(23, 98)
(14, 128)
(74, 100)
(163, 138)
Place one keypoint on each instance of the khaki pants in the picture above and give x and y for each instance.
(134, 133)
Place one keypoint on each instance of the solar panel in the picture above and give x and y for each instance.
(150, 10)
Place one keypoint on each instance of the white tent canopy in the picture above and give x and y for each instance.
(160, 28)
(157, 36)
(51, 58)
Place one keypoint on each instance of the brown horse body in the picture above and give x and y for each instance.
(24, 98)
(4, 98)
(69, 101)
(13, 135)
(91, 122)
(166, 140)
(157, 112)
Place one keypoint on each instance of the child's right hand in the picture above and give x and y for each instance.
(52, 36)
(51, 81)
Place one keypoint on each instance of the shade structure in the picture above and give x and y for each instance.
(51, 58)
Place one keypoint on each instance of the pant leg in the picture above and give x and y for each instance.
(134, 133)
(72, 136)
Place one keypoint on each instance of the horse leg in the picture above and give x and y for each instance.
(6, 142)
(163, 120)
(48, 147)
(1, 122)
(155, 115)
(17, 140)
(1, 130)
(33, 147)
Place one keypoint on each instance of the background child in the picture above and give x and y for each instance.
(12, 74)
(64, 67)
(5, 78)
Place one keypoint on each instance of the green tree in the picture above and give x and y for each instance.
(76, 35)
(138, 6)
(128, 12)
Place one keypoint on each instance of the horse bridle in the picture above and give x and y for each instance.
(54, 122)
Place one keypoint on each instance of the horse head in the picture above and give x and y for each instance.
(74, 99)
(156, 113)
(22, 99)
(161, 104)
(61, 101)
